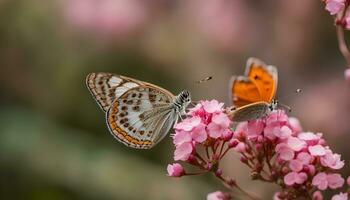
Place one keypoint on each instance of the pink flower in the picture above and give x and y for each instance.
(295, 143)
(348, 181)
(335, 181)
(199, 134)
(317, 195)
(323, 180)
(255, 128)
(222, 120)
(309, 137)
(284, 132)
(295, 165)
(317, 150)
(188, 124)
(295, 178)
(197, 110)
(335, 6)
(284, 152)
(320, 180)
(183, 151)
(332, 161)
(340, 196)
(295, 125)
(277, 116)
(241, 147)
(241, 130)
(212, 106)
(175, 170)
(304, 158)
(108, 17)
(218, 195)
(181, 137)
(347, 71)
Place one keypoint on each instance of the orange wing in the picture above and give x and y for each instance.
(259, 84)
(243, 91)
(264, 77)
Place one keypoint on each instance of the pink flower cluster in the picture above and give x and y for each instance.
(274, 147)
(339, 7)
(206, 123)
(280, 152)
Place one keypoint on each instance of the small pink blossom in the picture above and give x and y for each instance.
(241, 147)
(340, 196)
(284, 133)
(295, 178)
(255, 128)
(183, 151)
(295, 165)
(221, 119)
(212, 106)
(285, 153)
(347, 71)
(323, 180)
(181, 137)
(335, 181)
(335, 6)
(197, 110)
(199, 134)
(277, 116)
(320, 180)
(317, 150)
(188, 124)
(317, 195)
(304, 158)
(309, 137)
(215, 131)
(296, 144)
(295, 125)
(175, 170)
(348, 181)
(218, 195)
(332, 161)
(227, 135)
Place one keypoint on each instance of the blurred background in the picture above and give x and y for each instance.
(54, 143)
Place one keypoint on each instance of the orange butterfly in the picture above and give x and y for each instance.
(253, 94)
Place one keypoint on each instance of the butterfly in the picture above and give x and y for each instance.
(253, 94)
(138, 114)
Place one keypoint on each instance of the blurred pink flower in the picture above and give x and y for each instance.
(106, 17)
(335, 6)
(332, 160)
(317, 195)
(340, 196)
(212, 106)
(295, 143)
(348, 181)
(317, 150)
(181, 137)
(175, 170)
(323, 180)
(347, 71)
(284, 152)
(188, 124)
(218, 195)
(183, 151)
(295, 178)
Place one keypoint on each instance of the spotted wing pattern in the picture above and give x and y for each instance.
(106, 87)
(142, 116)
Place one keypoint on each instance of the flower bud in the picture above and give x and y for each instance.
(175, 170)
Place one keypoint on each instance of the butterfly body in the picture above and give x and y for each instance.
(253, 94)
(138, 114)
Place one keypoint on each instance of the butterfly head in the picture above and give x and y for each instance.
(182, 100)
(273, 105)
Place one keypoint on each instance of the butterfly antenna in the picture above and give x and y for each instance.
(285, 107)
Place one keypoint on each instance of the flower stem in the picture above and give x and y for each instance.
(235, 185)
(342, 44)
(341, 39)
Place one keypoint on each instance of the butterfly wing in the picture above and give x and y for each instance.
(249, 112)
(106, 87)
(142, 116)
(264, 77)
(243, 91)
